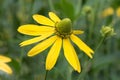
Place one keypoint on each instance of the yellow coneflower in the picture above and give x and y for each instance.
(118, 12)
(56, 32)
(3, 64)
(108, 12)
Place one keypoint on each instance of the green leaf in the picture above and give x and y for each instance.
(68, 9)
(15, 65)
(105, 60)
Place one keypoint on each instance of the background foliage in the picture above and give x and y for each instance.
(85, 14)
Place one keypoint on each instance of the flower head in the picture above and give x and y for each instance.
(107, 31)
(87, 9)
(56, 32)
(3, 66)
(108, 12)
(118, 12)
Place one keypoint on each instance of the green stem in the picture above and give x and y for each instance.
(21, 56)
(101, 41)
(78, 8)
(50, 2)
(91, 25)
(85, 70)
(69, 72)
(46, 74)
(86, 66)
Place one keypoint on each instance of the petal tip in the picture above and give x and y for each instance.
(78, 71)
(30, 55)
(10, 72)
(21, 45)
(48, 68)
(19, 29)
(92, 52)
(34, 16)
(50, 12)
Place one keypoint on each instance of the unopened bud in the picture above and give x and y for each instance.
(107, 31)
(87, 9)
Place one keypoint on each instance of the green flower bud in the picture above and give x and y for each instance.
(87, 9)
(107, 31)
(64, 27)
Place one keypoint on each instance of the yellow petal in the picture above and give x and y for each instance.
(34, 30)
(78, 32)
(82, 45)
(118, 12)
(53, 54)
(42, 46)
(4, 67)
(43, 20)
(107, 12)
(4, 59)
(70, 55)
(36, 39)
(54, 17)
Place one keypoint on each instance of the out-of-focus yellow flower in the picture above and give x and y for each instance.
(108, 12)
(118, 12)
(58, 33)
(3, 64)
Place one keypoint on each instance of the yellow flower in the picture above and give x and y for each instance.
(3, 66)
(108, 12)
(56, 32)
(118, 12)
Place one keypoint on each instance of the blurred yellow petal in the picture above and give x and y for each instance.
(4, 59)
(4, 67)
(53, 54)
(43, 20)
(36, 39)
(78, 32)
(70, 55)
(34, 30)
(42, 46)
(54, 17)
(82, 45)
(118, 12)
(108, 12)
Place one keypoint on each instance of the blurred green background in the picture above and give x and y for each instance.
(86, 15)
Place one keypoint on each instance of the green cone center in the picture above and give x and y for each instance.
(64, 27)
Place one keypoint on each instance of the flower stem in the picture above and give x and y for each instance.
(85, 70)
(86, 66)
(50, 2)
(69, 73)
(101, 41)
(46, 74)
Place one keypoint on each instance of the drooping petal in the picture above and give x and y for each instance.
(54, 17)
(4, 59)
(53, 54)
(42, 46)
(43, 20)
(36, 39)
(34, 30)
(4, 67)
(70, 55)
(82, 45)
(78, 32)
